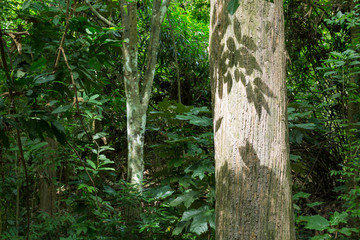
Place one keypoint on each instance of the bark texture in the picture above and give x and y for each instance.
(253, 180)
(47, 187)
(138, 88)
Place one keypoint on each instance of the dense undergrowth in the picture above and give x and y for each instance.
(75, 151)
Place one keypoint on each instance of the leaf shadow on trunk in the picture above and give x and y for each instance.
(250, 197)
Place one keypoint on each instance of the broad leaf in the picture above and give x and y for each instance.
(348, 231)
(59, 131)
(44, 78)
(62, 109)
(187, 198)
(180, 227)
(91, 163)
(161, 192)
(199, 225)
(299, 195)
(316, 222)
(338, 218)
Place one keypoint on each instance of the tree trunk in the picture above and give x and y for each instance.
(353, 106)
(136, 122)
(138, 88)
(47, 187)
(253, 180)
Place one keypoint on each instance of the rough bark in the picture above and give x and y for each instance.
(47, 187)
(253, 180)
(137, 88)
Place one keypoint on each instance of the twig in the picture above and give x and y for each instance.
(76, 95)
(97, 14)
(87, 172)
(62, 51)
(97, 153)
(63, 37)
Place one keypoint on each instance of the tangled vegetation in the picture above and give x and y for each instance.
(63, 142)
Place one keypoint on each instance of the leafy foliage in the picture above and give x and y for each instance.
(67, 122)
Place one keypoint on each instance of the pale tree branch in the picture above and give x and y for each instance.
(130, 50)
(158, 15)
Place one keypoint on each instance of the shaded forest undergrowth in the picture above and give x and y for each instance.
(63, 144)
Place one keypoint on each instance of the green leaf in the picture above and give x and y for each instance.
(187, 198)
(56, 20)
(354, 63)
(336, 54)
(197, 110)
(87, 187)
(321, 237)
(82, 8)
(329, 73)
(336, 95)
(308, 126)
(315, 222)
(26, 4)
(314, 204)
(38, 146)
(295, 158)
(338, 218)
(299, 195)
(43, 78)
(161, 192)
(181, 225)
(339, 63)
(195, 120)
(61, 109)
(59, 131)
(39, 64)
(106, 169)
(201, 218)
(233, 6)
(199, 225)
(200, 170)
(91, 163)
(296, 207)
(188, 215)
(348, 231)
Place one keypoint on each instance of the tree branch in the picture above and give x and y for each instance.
(152, 51)
(97, 14)
(130, 50)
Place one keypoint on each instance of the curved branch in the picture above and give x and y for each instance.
(97, 14)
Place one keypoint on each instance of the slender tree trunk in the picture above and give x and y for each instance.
(353, 107)
(138, 88)
(253, 180)
(136, 122)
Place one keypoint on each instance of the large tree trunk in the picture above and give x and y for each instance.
(253, 180)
